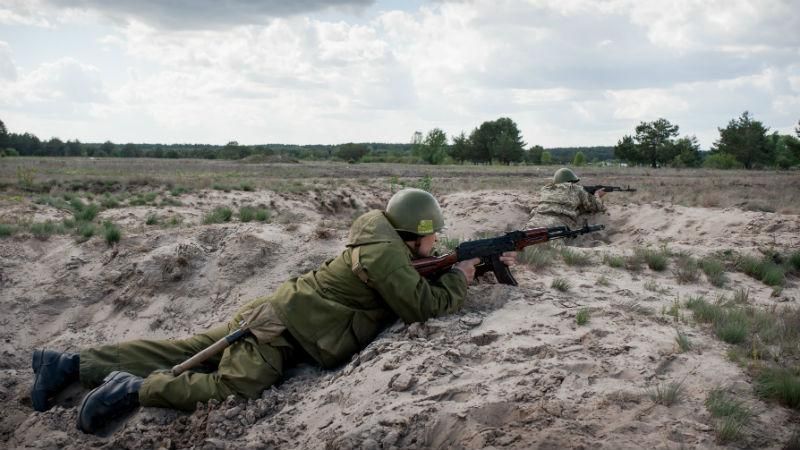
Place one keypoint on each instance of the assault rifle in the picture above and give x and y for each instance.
(489, 251)
(595, 188)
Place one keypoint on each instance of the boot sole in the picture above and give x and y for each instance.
(83, 423)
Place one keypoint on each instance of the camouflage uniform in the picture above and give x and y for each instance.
(329, 314)
(564, 204)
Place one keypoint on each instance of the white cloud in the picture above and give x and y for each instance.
(569, 72)
(8, 70)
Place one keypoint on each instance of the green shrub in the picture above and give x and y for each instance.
(43, 230)
(582, 317)
(111, 233)
(575, 257)
(178, 190)
(731, 415)
(656, 260)
(666, 393)
(247, 213)
(779, 384)
(762, 269)
(703, 311)
(614, 260)
(724, 161)
(561, 284)
(247, 187)
(218, 215)
(684, 344)
(151, 219)
(86, 230)
(87, 213)
(7, 230)
(732, 327)
(686, 269)
(263, 215)
(714, 270)
(794, 261)
(537, 257)
(109, 201)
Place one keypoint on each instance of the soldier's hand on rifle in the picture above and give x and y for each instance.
(600, 193)
(467, 267)
(509, 258)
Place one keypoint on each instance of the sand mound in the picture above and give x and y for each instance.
(512, 370)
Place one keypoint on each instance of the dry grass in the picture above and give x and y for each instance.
(760, 190)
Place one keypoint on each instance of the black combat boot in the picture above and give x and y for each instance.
(118, 395)
(53, 371)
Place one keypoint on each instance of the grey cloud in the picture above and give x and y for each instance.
(205, 14)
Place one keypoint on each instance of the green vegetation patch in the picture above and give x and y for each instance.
(731, 416)
(111, 233)
(574, 257)
(218, 215)
(780, 384)
(582, 317)
(561, 284)
(537, 257)
(7, 230)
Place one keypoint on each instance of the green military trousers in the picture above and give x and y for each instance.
(245, 368)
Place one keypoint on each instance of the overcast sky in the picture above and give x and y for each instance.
(568, 72)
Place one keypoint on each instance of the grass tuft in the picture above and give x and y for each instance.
(780, 384)
(151, 219)
(731, 415)
(218, 215)
(684, 344)
(574, 257)
(582, 317)
(111, 233)
(561, 284)
(614, 261)
(686, 270)
(537, 257)
(714, 270)
(7, 230)
(666, 393)
(656, 259)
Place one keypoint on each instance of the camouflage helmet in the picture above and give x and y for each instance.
(564, 175)
(415, 211)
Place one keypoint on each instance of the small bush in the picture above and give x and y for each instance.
(656, 260)
(614, 261)
(762, 269)
(7, 230)
(582, 317)
(178, 190)
(575, 257)
(686, 269)
(247, 187)
(602, 280)
(109, 201)
(263, 215)
(151, 219)
(247, 213)
(732, 416)
(43, 230)
(732, 327)
(86, 230)
(111, 233)
(724, 161)
(449, 243)
(537, 257)
(561, 284)
(794, 261)
(714, 270)
(684, 344)
(741, 296)
(221, 187)
(779, 384)
(704, 312)
(666, 393)
(87, 213)
(218, 215)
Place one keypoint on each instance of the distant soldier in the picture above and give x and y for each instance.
(565, 202)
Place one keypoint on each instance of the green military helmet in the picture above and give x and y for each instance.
(564, 175)
(415, 211)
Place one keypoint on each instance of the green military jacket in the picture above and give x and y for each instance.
(336, 310)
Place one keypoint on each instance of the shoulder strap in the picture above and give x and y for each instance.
(355, 264)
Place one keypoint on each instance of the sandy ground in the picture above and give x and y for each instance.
(512, 370)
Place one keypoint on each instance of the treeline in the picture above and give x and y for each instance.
(743, 143)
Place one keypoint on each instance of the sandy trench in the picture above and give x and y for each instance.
(512, 370)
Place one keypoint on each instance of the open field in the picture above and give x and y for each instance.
(676, 328)
(773, 191)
